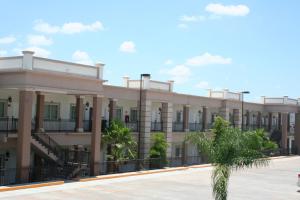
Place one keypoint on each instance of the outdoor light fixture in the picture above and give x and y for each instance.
(9, 99)
(87, 105)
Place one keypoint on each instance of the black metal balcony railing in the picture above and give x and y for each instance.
(251, 127)
(67, 125)
(195, 126)
(8, 125)
(59, 125)
(177, 127)
(156, 126)
(133, 126)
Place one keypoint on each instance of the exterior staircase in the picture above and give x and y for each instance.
(43, 149)
(49, 148)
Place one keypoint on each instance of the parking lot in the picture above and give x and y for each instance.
(278, 181)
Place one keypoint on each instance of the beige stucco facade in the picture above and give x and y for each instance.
(28, 82)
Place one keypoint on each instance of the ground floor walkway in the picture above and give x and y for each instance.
(276, 182)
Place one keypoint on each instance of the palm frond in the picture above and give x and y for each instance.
(201, 141)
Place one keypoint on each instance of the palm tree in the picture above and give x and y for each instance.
(230, 149)
(158, 150)
(120, 142)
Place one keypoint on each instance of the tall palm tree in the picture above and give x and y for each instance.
(230, 149)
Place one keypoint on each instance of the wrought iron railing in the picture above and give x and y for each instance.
(195, 126)
(156, 126)
(8, 125)
(177, 127)
(133, 126)
(65, 125)
(49, 143)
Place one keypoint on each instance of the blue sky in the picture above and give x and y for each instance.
(239, 45)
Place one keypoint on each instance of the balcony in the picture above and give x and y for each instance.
(195, 127)
(67, 125)
(133, 126)
(156, 126)
(177, 127)
(251, 127)
(8, 125)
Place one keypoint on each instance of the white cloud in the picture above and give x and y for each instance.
(169, 62)
(203, 85)
(3, 53)
(68, 28)
(208, 59)
(40, 52)
(180, 73)
(182, 26)
(7, 40)
(192, 18)
(44, 27)
(232, 10)
(76, 27)
(127, 47)
(82, 57)
(39, 40)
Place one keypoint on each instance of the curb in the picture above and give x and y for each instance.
(129, 174)
(27, 186)
(113, 176)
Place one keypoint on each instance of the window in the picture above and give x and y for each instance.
(119, 113)
(177, 151)
(200, 116)
(133, 115)
(231, 118)
(2, 109)
(213, 117)
(51, 111)
(178, 116)
(73, 112)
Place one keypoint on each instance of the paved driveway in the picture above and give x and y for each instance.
(278, 181)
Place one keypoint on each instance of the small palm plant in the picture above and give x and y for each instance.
(230, 149)
(120, 142)
(158, 150)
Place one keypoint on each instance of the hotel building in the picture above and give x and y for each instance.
(48, 106)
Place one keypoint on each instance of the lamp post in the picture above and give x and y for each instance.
(242, 93)
(140, 116)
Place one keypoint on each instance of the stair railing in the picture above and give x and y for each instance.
(49, 143)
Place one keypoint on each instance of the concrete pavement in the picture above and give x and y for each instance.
(276, 182)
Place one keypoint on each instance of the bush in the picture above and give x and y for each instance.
(158, 150)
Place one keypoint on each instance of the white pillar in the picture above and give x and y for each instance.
(171, 85)
(146, 81)
(27, 60)
(126, 81)
(100, 67)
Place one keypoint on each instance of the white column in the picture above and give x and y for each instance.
(27, 60)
